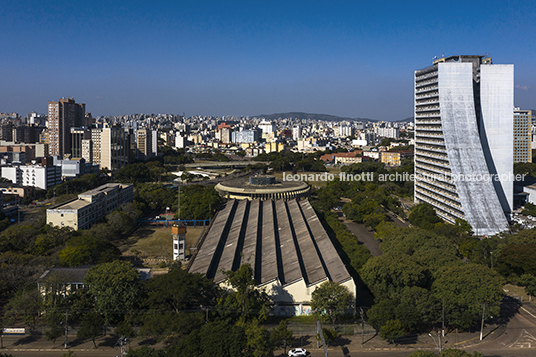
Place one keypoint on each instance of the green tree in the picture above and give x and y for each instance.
(517, 259)
(171, 297)
(212, 339)
(466, 289)
(392, 330)
(389, 273)
(424, 216)
(54, 320)
(258, 342)
(417, 309)
(245, 301)
(281, 333)
(25, 305)
(116, 289)
(529, 282)
(332, 299)
(91, 327)
(179, 290)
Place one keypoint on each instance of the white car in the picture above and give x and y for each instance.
(297, 352)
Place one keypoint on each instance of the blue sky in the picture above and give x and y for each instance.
(346, 58)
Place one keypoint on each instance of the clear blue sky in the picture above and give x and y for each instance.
(346, 58)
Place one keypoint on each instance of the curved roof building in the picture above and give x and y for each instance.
(263, 187)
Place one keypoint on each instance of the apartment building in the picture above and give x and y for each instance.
(62, 116)
(522, 135)
(464, 140)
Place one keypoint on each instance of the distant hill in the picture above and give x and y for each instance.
(323, 117)
(407, 120)
(301, 115)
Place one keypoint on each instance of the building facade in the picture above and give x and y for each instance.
(90, 206)
(62, 116)
(39, 176)
(144, 143)
(394, 158)
(464, 140)
(522, 135)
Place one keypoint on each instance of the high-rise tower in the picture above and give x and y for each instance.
(464, 140)
(522, 135)
(62, 116)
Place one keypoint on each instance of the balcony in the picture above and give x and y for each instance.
(422, 107)
(454, 209)
(433, 100)
(432, 154)
(431, 168)
(421, 128)
(430, 141)
(432, 121)
(432, 94)
(426, 75)
(443, 163)
(447, 193)
(426, 89)
(426, 82)
(432, 148)
(427, 135)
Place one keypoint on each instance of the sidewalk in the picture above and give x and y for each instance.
(346, 345)
(351, 345)
(40, 343)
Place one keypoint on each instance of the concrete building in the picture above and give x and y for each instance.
(62, 116)
(90, 206)
(78, 135)
(387, 132)
(144, 144)
(345, 131)
(522, 135)
(109, 147)
(285, 244)
(297, 132)
(267, 127)
(224, 135)
(464, 140)
(39, 176)
(245, 136)
(73, 168)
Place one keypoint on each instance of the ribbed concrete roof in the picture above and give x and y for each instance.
(281, 240)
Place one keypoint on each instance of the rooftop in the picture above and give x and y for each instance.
(281, 240)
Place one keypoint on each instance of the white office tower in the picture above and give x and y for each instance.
(464, 140)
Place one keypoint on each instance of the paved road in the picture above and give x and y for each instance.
(364, 235)
(519, 338)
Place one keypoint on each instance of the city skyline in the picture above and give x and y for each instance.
(349, 59)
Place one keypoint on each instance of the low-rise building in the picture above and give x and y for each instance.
(343, 158)
(394, 158)
(90, 206)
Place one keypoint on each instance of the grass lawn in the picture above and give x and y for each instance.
(156, 242)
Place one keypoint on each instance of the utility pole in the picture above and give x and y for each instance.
(482, 326)
(66, 327)
(443, 317)
(362, 325)
(438, 345)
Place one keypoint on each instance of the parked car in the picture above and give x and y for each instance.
(297, 352)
